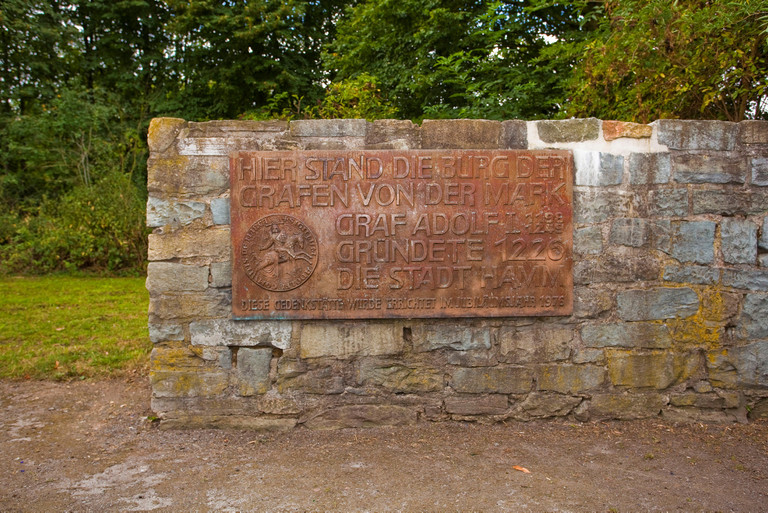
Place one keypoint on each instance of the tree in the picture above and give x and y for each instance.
(690, 59)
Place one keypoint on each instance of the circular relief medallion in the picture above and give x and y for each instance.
(279, 252)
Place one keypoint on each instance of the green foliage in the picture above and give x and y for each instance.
(685, 59)
(355, 98)
(99, 227)
(60, 327)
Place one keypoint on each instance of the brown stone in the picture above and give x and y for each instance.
(460, 133)
(477, 405)
(361, 416)
(212, 242)
(162, 133)
(616, 129)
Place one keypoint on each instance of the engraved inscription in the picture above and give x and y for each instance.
(387, 233)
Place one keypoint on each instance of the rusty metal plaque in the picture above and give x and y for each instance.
(385, 234)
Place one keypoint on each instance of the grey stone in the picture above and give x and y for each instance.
(594, 205)
(749, 279)
(706, 168)
(323, 381)
(220, 210)
(629, 232)
(161, 212)
(570, 379)
(760, 171)
(460, 134)
(754, 316)
(588, 241)
(429, 337)
(253, 370)
(752, 364)
(400, 378)
(476, 405)
(170, 277)
(695, 274)
(722, 202)
(212, 242)
(393, 134)
(185, 175)
(669, 202)
(625, 407)
(348, 340)
(653, 370)
(226, 332)
(617, 264)
(568, 130)
(598, 169)
(591, 302)
(499, 380)
(514, 135)
(527, 344)
(697, 135)
(543, 405)
(739, 241)
(221, 274)
(691, 241)
(165, 331)
(762, 260)
(627, 334)
(329, 128)
(190, 306)
(235, 128)
(588, 355)
(649, 168)
(657, 303)
(763, 241)
(754, 132)
(361, 416)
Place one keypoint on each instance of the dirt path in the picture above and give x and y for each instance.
(88, 446)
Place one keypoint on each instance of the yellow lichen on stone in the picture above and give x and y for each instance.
(162, 132)
(705, 328)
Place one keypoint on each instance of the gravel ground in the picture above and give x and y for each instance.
(88, 446)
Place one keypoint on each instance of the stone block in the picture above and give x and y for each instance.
(588, 241)
(228, 421)
(694, 274)
(235, 128)
(400, 378)
(348, 340)
(393, 134)
(546, 405)
(165, 277)
(751, 364)
(629, 232)
(657, 304)
(220, 210)
(190, 306)
(226, 332)
(253, 370)
(429, 337)
(476, 405)
(763, 241)
(570, 379)
(593, 206)
(568, 130)
(762, 260)
(163, 132)
(527, 344)
(493, 380)
(625, 406)
(514, 135)
(649, 168)
(213, 243)
(738, 241)
(329, 128)
(161, 332)
(181, 175)
(643, 335)
(748, 279)
(651, 370)
(697, 135)
(690, 241)
(361, 416)
(175, 357)
(754, 132)
(188, 383)
(221, 274)
(591, 302)
(218, 146)
(324, 381)
(470, 134)
(161, 212)
(759, 166)
(754, 316)
(617, 264)
(598, 169)
(588, 355)
(668, 202)
(617, 129)
(722, 202)
(709, 168)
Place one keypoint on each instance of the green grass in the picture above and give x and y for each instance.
(63, 327)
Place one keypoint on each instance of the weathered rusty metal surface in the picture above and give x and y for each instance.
(386, 234)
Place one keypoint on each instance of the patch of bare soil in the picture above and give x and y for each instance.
(88, 446)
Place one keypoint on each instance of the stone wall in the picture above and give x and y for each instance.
(670, 272)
